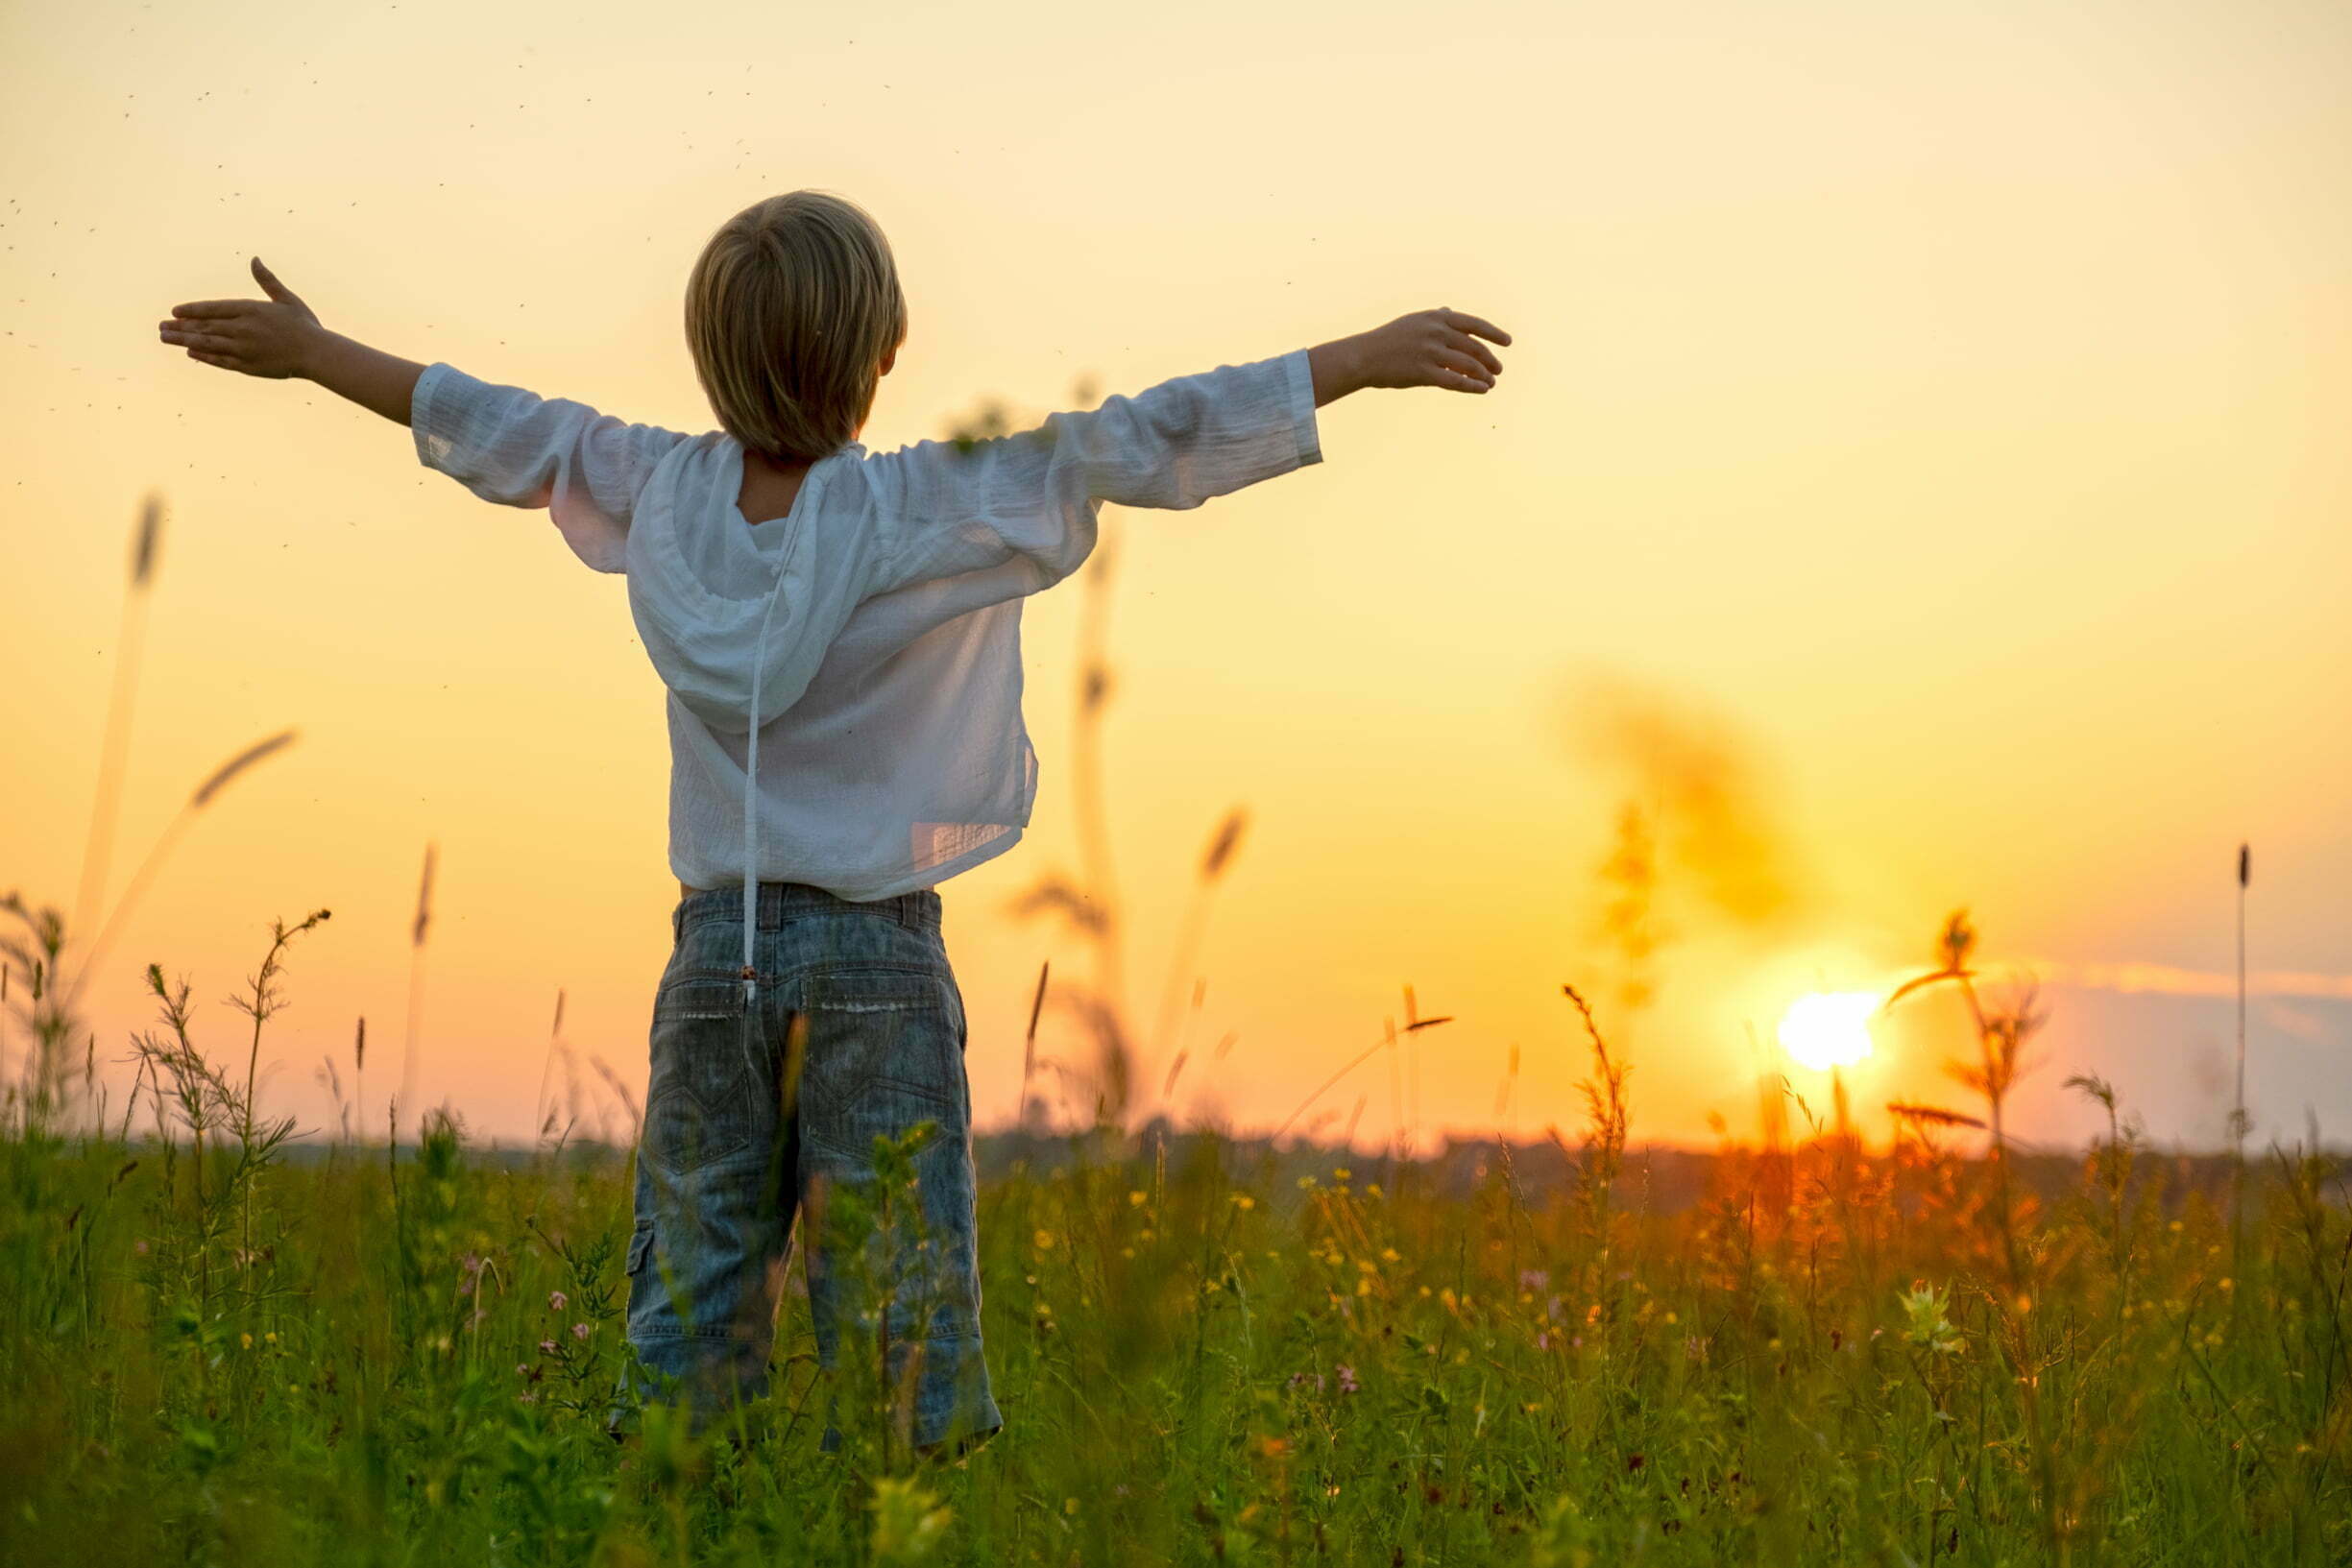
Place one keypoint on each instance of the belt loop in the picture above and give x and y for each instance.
(908, 915)
(677, 922)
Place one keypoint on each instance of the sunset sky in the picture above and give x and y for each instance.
(1920, 476)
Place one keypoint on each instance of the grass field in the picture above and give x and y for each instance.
(215, 1353)
(225, 1344)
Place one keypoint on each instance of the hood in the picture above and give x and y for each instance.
(737, 617)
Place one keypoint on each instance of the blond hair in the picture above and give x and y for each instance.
(789, 312)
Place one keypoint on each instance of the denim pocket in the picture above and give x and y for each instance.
(885, 1051)
(698, 1102)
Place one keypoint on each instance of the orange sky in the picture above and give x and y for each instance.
(1925, 422)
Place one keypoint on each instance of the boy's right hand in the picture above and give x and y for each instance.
(271, 338)
(1430, 349)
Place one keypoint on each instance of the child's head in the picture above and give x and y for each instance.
(793, 314)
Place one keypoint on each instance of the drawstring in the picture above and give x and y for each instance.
(751, 775)
(751, 807)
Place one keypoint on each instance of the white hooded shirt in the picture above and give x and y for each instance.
(844, 682)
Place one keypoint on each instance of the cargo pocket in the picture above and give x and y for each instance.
(698, 1102)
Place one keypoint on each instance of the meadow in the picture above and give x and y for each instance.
(226, 1339)
(383, 1353)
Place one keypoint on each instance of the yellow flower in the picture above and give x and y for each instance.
(1389, 1254)
(1673, 1317)
(1043, 1240)
(245, 1340)
(1136, 1199)
(1342, 1172)
(1243, 1200)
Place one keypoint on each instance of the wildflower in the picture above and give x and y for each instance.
(270, 1338)
(557, 1301)
(579, 1331)
(1299, 1379)
(1136, 1199)
(547, 1347)
(1243, 1201)
(246, 1340)
(1342, 1172)
(1043, 1240)
(1534, 1279)
(1389, 1254)
(1928, 1328)
(1543, 1341)
(528, 1397)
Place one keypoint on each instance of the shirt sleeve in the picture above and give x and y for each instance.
(1031, 500)
(518, 448)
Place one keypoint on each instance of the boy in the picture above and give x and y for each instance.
(838, 632)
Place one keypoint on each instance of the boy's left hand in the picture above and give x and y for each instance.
(268, 338)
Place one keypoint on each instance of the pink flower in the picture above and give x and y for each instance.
(1534, 1279)
(579, 1331)
(557, 1301)
(1347, 1377)
(547, 1347)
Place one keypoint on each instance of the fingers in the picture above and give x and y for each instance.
(213, 309)
(270, 285)
(1464, 342)
(1464, 368)
(223, 361)
(199, 337)
(1462, 320)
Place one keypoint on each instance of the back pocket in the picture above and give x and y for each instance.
(884, 1050)
(697, 1100)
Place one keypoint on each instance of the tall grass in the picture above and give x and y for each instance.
(221, 1345)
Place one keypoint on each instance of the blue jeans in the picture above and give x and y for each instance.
(753, 1117)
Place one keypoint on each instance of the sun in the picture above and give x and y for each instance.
(1824, 1029)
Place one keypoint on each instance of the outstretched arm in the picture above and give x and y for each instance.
(279, 337)
(504, 444)
(1026, 504)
